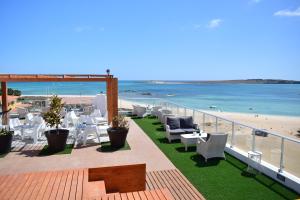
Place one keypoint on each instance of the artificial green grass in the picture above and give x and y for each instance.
(3, 155)
(105, 147)
(216, 179)
(46, 152)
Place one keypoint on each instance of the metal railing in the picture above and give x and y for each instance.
(272, 146)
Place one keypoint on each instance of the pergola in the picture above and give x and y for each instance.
(111, 87)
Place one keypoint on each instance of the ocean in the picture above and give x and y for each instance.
(274, 99)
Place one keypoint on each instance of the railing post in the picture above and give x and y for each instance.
(193, 114)
(216, 125)
(281, 155)
(253, 142)
(232, 135)
(203, 121)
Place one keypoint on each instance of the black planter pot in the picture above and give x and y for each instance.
(117, 136)
(5, 143)
(57, 139)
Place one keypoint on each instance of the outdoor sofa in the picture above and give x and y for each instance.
(175, 126)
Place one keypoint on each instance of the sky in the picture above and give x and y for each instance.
(152, 39)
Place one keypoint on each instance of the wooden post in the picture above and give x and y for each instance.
(4, 103)
(108, 99)
(112, 99)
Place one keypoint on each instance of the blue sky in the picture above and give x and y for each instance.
(169, 40)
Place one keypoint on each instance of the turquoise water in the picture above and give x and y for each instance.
(275, 99)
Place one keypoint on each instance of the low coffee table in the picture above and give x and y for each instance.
(191, 139)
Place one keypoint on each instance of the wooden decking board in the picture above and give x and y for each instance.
(179, 185)
(193, 194)
(8, 183)
(74, 185)
(55, 187)
(172, 185)
(36, 188)
(70, 184)
(80, 185)
(19, 185)
(191, 188)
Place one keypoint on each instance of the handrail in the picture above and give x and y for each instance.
(232, 121)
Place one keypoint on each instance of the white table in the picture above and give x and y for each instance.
(191, 139)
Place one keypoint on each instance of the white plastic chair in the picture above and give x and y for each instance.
(28, 118)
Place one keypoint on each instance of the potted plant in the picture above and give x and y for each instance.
(118, 132)
(6, 136)
(56, 137)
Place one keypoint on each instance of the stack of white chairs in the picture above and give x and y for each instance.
(16, 126)
(155, 110)
(98, 117)
(28, 118)
(70, 120)
(34, 129)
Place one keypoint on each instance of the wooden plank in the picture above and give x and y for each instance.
(126, 178)
(158, 194)
(191, 188)
(136, 196)
(167, 194)
(56, 185)
(155, 181)
(129, 196)
(20, 185)
(6, 182)
(80, 185)
(68, 185)
(48, 190)
(118, 196)
(43, 186)
(74, 185)
(95, 189)
(85, 184)
(148, 195)
(9, 187)
(41, 179)
(62, 184)
(171, 185)
(124, 196)
(114, 100)
(142, 195)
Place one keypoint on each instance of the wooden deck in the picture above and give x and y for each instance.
(74, 184)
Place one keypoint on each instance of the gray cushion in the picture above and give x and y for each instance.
(173, 122)
(176, 131)
(186, 122)
(190, 130)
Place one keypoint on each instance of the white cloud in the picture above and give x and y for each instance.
(288, 13)
(80, 29)
(214, 23)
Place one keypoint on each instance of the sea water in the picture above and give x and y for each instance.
(275, 99)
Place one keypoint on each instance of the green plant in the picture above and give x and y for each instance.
(119, 121)
(53, 117)
(4, 131)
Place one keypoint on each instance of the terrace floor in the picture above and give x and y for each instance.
(142, 150)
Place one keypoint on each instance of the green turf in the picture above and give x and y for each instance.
(3, 155)
(105, 147)
(46, 152)
(216, 179)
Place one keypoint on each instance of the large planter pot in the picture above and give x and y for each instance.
(5, 142)
(57, 139)
(117, 136)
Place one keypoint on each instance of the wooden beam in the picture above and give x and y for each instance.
(108, 99)
(114, 100)
(4, 103)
